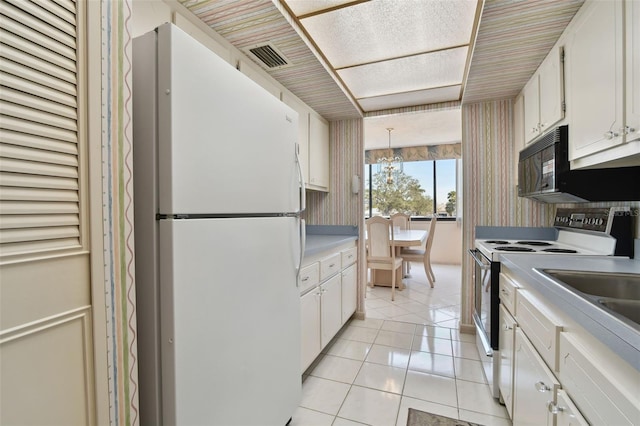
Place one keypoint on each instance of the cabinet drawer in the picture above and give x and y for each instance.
(349, 256)
(329, 266)
(508, 293)
(309, 277)
(601, 398)
(540, 325)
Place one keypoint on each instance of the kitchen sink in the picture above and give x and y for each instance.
(612, 285)
(629, 309)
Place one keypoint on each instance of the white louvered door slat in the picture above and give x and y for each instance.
(48, 369)
(38, 90)
(35, 69)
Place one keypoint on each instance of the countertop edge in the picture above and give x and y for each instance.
(595, 320)
(319, 243)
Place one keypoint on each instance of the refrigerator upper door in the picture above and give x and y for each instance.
(230, 321)
(226, 145)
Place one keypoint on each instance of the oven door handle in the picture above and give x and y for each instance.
(479, 261)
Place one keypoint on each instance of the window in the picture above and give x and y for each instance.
(419, 188)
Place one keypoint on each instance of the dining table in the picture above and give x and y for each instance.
(401, 238)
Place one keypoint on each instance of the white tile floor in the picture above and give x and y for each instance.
(406, 353)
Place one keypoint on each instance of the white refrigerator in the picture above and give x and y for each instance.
(218, 239)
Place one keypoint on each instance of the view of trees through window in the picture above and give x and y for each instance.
(419, 188)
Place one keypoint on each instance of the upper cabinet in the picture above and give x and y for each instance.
(603, 84)
(318, 153)
(544, 96)
(313, 142)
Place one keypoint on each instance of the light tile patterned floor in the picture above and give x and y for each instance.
(407, 353)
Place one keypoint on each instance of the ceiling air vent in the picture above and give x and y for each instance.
(268, 56)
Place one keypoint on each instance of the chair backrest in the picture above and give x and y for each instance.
(432, 230)
(401, 220)
(379, 236)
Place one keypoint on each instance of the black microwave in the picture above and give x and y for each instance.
(544, 174)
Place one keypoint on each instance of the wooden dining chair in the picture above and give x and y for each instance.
(424, 256)
(402, 221)
(381, 253)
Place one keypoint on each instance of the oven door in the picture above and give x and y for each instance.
(483, 289)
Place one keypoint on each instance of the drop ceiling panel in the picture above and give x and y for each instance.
(430, 70)
(379, 30)
(419, 97)
(305, 7)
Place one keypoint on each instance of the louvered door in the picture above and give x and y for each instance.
(46, 346)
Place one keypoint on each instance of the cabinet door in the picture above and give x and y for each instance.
(349, 292)
(318, 153)
(531, 93)
(534, 386)
(310, 327)
(506, 338)
(518, 125)
(566, 413)
(632, 89)
(330, 309)
(595, 60)
(551, 90)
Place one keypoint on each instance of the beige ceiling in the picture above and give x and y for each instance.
(351, 59)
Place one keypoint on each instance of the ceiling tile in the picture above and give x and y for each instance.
(304, 7)
(442, 68)
(378, 30)
(419, 97)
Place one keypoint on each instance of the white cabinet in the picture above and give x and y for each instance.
(310, 327)
(313, 143)
(565, 411)
(600, 132)
(534, 385)
(328, 288)
(544, 96)
(330, 309)
(349, 292)
(318, 153)
(506, 338)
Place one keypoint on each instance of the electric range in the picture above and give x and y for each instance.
(577, 231)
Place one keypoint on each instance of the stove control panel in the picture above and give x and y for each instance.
(589, 219)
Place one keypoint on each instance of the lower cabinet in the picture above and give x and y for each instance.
(330, 309)
(349, 292)
(534, 386)
(506, 338)
(328, 284)
(310, 327)
(566, 412)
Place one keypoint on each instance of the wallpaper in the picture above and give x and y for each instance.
(117, 204)
(417, 153)
(489, 183)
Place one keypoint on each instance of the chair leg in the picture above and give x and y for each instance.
(393, 284)
(433, 276)
(426, 271)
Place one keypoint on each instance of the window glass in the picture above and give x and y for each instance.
(419, 188)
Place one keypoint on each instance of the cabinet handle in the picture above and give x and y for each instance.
(505, 292)
(505, 327)
(627, 129)
(611, 135)
(541, 387)
(554, 408)
(305, 279)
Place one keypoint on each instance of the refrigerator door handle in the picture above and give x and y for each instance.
(303, 243)
(303, 187)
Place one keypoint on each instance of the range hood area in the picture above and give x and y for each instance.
(544, 174)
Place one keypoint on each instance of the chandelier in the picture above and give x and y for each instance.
(391, 164)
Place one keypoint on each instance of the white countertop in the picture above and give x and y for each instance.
(622, 338)
(318, 243)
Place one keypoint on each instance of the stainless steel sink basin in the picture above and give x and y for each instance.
(627, 308)
(613, 285)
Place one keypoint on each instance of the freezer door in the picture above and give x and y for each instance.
(230, 321)
(226, 145)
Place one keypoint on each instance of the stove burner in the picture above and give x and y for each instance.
(514, 248)
(559, 250)
(534, 243)
(496, 242)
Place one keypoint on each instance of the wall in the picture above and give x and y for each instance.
(447, 241)
(489, 184)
